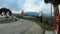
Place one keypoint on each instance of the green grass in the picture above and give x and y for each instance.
(45, 27)
(43, 24)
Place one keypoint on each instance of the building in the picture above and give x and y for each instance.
(5, 12)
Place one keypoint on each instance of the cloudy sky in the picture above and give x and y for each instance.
(26, 5)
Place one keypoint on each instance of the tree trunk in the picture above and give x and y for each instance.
(56, 22)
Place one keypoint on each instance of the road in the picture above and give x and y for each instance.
(21, 26)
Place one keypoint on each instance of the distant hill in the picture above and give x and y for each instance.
(35, 14)
(47, 15)
(31, 14)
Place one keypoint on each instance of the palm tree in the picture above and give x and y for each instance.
(22, 13)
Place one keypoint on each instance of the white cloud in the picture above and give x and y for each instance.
(0, 7)
(30, 1)
(16, 12)
(33, 7)
(42, 5)
(37, 8)
(48, 9)
(28, 5)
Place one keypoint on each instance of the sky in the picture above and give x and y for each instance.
(26, 5)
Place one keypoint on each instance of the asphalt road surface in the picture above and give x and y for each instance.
(21, 26)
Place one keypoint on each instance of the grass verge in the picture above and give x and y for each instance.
(43, 25)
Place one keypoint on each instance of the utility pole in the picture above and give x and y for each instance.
(51, 9)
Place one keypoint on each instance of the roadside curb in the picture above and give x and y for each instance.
(48, 32)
